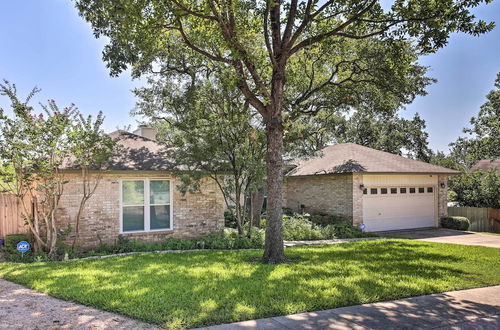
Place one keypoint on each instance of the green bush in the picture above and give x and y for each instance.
(325, 219)
(12, 240)
(453, 222)
(12, 255)
(230, 219)
(301, 227)
(227, 239)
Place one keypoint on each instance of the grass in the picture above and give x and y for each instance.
(488, 233)
(204, 288)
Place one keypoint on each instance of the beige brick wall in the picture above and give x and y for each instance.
(357, 199)
(194, 214)
(442, 197)
(332, 194)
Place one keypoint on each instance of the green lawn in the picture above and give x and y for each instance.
(204, 288)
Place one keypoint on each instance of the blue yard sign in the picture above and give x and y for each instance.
(23, 246)
(363, 227)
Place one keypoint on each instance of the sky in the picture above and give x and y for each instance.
(45, 43)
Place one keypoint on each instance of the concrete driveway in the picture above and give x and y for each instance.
(442, 235)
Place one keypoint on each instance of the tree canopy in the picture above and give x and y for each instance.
(483, 141)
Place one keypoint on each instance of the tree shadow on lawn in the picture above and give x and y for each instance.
(204, 288)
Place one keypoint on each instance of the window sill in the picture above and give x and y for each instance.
(145, 231)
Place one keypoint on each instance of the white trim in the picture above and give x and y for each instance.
(146, 205)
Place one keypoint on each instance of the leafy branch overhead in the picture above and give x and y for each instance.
(257, 38)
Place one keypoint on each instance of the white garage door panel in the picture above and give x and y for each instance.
(386, 212)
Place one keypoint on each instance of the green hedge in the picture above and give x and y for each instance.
(453, 222)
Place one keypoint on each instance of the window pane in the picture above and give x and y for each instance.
(160, 217)
(402, 190)
(429, 189)
(373, 191)
(412, 190)
(133, 218)
(421, 190)
(160, 192)
(394, 190)
(133, 192)
(383, 191)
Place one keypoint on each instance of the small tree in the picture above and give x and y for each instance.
(90, 150)
(35, 147)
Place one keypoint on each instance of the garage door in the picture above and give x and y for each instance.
(393, 208)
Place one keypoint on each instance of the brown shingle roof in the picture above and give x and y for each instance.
(486, 164)
(351, 158)
(136, 153)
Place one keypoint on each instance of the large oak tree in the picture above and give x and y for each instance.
(333, 45)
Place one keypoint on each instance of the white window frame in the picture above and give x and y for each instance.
(146, 205)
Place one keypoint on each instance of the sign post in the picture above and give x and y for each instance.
(23, 247)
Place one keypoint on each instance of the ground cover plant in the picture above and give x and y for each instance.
(211, 287)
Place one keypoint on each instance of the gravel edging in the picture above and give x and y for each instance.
(286, 244)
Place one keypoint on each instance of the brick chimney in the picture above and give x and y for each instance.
(146, 131)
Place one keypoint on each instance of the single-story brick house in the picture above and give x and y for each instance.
(381, 190)
(137, 197)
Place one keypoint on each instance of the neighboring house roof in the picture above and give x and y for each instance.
(353, 158)
(486, 164)
(136, 153)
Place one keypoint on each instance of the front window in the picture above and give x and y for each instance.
(145, 205)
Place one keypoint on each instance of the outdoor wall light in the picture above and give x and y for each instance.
(362, 186)
(442, 185)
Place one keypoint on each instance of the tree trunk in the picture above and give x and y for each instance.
(273, 249)
(257, 204)
(239, 213)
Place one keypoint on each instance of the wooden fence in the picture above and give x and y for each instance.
(481, 218)
(11, 221)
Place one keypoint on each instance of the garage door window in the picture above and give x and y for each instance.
(421, 190)
(402, 190)
(430, 190)
(394, 190)
(373, 191)
(383, 191)
(412, 190)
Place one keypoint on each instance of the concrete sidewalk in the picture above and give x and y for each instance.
(466, 309)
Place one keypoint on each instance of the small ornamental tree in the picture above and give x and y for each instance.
(35, 147)
(332, 47)
(90, 150)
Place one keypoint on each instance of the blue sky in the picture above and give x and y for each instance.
(45, 43)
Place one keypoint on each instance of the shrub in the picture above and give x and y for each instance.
(325, 219)
(453, 222)
(12, 240)
(300, 227)
(12, 255)
(230, 219)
